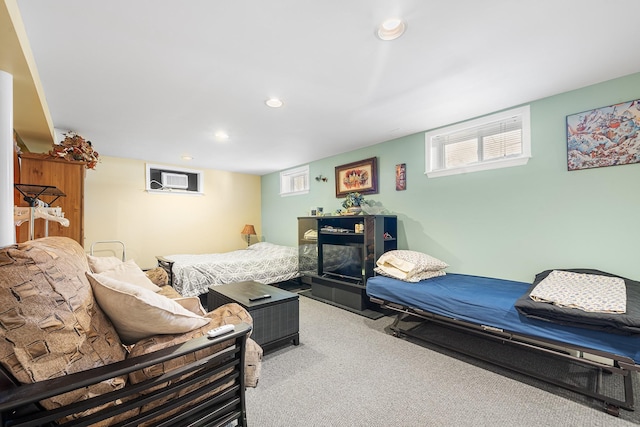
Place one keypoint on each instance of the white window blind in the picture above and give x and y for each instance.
(496, 141)
(294, 181)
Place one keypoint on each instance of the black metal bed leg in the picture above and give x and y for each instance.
(395, 329)
(612, 409)
(394, 326)
(628, 390)
(609, 408)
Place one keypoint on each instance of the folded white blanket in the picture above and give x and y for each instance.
(409, 266)
(587, 292)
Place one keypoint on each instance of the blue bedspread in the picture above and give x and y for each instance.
(490, 302)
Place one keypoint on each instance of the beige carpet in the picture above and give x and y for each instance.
(347, 371)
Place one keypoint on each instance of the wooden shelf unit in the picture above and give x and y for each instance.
(68, 177)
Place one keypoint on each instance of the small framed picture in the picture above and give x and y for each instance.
(401, 177)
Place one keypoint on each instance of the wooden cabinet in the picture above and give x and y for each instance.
(67, 176)
(337, 254)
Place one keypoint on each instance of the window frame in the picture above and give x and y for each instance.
(510, 161)
(287, 181)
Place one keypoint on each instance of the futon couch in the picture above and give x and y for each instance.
(81, 345)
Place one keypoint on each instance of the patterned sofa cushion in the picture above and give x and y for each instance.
(227, 314)
(50, 324)
(158, 276)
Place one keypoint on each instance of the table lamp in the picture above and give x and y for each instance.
(249, 231)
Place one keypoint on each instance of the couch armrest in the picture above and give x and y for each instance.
(186, 385)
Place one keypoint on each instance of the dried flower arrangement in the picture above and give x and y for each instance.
(353, 199)
(75, 147)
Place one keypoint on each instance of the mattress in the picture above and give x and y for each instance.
(262, 262)
(491, 302)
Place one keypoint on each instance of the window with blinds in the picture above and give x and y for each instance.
(496, 141)
(294, 181)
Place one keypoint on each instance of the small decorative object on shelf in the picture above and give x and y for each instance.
(75, 147)
(353, 203)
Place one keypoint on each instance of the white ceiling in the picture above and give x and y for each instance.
(155, 79)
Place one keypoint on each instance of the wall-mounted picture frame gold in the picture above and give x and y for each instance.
(360, 176)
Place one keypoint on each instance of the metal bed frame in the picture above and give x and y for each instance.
(117, 242)
(621, 365)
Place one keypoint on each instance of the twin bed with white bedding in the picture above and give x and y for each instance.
(263, 262)
(504, 310)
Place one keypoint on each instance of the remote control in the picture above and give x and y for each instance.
(220, 330)
(260, 297)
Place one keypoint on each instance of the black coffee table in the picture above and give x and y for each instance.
(275, 319)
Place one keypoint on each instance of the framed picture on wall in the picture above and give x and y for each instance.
(360, 176)
(401, 177)
(606, 136)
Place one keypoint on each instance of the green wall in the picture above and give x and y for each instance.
(509, 223)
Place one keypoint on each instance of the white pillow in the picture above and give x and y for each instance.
(139, 313)
(192, 304)
(130, 272)
(99, 264)
(410, 266)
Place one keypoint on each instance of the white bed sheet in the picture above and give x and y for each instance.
(262, 262)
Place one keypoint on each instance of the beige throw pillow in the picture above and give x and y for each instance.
(192, 304)
(130, 272)
(139, 313)
(99, 264)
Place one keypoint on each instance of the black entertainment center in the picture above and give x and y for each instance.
(337, 254)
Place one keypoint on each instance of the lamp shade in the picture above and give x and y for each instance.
(248, 230)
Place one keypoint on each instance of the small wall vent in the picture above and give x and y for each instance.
(174, 180)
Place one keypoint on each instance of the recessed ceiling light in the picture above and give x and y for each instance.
(274, 102)
(187, 158)
(391, 29)
(221, 136)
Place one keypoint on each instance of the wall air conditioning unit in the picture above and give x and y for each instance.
(174, 180)
(163, 180)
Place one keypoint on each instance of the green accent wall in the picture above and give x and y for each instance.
(508, 223)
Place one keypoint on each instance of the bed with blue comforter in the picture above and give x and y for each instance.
(489, 304)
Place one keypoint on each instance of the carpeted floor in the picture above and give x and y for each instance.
(348, 371)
